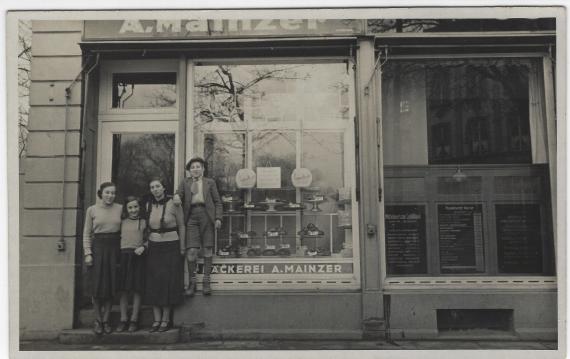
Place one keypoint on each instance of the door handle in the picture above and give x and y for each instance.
(371, 229)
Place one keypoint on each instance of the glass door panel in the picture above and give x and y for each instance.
(139, 157)
(131, 156)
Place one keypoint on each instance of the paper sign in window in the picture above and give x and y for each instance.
(268, 177)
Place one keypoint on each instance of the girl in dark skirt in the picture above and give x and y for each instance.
(166, 248)
(132, 266)
(101, 247)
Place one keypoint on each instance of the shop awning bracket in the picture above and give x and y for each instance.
(377, 66)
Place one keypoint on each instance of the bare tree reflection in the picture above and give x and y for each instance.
(459, 25)
(138, 158)
(476, 109)
(221, 94)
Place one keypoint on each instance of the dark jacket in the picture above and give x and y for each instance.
(211, 198)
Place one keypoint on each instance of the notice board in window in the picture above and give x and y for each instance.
(406, 239)
(461, 248)
(519, 242)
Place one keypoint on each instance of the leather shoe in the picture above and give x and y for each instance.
(133, 327)
(154, 327)
(206, 289)
(107, 328)
(97, 327)
(123, 324)
(165, 326)
(191, 290)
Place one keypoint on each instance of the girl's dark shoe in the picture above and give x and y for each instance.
(133, 326)
(107, 328)
(123, 325)
(97, 327)
(154, 327)
(165, 326)
(206, 288)
(191, 288)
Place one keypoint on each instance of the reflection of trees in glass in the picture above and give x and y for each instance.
(139, 157)
(459, 25)
(234, 97)
(162, 96)
(225, 155)
(222, 90)
(144, 90)
(477, 98)
(323, 154)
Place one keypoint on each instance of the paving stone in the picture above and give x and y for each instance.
(118, 341)
(511, 345)
(551, 345)
(446, 345)
(86, 336)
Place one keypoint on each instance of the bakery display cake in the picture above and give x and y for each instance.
(311, 231)
(291, 206)
(315, 199)
(275, 232)
(230, 201)
(271, 204)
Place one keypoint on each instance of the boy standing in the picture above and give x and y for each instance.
(202, 214)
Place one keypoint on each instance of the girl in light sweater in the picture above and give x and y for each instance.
(132, 266)
(101, 247)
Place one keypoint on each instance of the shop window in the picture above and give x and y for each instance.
(279, 120)
(466, 170)
(143, 90)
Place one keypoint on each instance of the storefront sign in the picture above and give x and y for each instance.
(182, 29)
(461, 238)
(245, 178)
(280, 268)
(406, 239)
(518, 238)
(268, 177)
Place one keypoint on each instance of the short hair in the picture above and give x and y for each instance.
(160, 180)
(102, 187)
(200, 160)
(196, 159)
(125, 213)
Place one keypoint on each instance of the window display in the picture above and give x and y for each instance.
(278, 140)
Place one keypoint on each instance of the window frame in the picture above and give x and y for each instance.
(492, 280)
(284, 281)
(108, 129)
(110, 67)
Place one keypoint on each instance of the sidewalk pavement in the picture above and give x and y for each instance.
(300, 345)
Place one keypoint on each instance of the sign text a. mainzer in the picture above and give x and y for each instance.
(218, 25)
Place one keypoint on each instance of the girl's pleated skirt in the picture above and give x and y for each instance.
(102, 275)
(131, 276)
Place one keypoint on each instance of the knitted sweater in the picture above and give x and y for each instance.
(100, 218)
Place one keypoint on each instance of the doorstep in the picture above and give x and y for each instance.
(142, 336)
